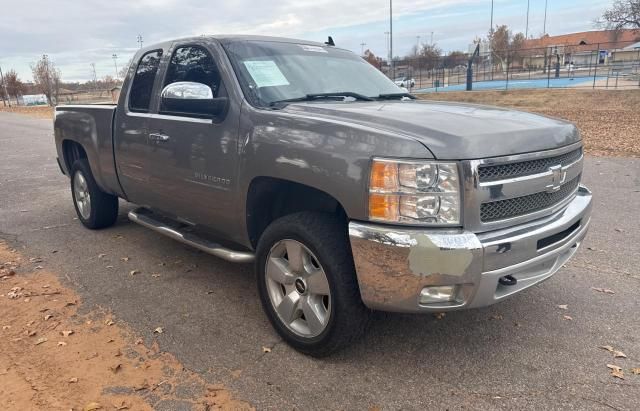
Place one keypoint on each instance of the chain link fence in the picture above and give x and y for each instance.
(613, 65)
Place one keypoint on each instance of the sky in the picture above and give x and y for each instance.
(75, 34)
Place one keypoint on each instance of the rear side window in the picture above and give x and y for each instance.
(192, 63)
(140, 95)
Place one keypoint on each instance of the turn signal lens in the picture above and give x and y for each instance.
(384, 177)
(383, 207)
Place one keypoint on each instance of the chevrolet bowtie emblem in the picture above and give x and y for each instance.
(558, 176)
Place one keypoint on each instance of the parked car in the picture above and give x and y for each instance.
(347, 194)
(406, 82)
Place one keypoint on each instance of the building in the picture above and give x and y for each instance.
(586, 48)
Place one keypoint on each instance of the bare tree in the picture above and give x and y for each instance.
(15, 87)
(122, 74)
(622, 14)
(47, 79)
(505, 46)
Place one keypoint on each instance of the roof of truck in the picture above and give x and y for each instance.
(228, 38)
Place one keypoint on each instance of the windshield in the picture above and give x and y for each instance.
(271, 71)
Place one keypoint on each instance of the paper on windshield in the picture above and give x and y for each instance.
(265, 73)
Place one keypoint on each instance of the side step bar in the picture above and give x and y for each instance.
(142, 217)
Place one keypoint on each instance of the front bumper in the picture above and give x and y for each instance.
(394, 265)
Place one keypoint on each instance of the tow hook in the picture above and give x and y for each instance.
(508, 280)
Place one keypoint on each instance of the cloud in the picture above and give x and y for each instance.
(76, 33)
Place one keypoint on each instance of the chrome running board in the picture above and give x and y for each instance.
(142, 216)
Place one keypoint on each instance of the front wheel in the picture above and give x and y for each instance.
(307, 283)
(95, 208)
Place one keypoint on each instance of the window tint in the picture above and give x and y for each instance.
(194, 64)
(140, 95)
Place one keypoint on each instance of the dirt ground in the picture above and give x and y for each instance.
(33, 111)
(54, 357)
(609, 120)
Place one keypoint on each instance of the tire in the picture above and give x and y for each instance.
(342, 317)
(101, 209)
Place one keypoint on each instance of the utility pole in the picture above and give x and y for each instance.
(544, 27)
(115, 63)
(417, 45)
(491, 26)
(393, 71)
(362, 48)
(140, 41)
(4, 87)
(432, 38)
(386, 44)
(526, 30)
(95, 76)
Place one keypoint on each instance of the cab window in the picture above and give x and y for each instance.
(142, 86)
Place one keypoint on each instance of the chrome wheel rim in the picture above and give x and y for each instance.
(298, 288)
(82, 196)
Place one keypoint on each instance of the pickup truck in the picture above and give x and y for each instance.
(347, 194)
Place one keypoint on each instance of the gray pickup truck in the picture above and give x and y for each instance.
(348, 194)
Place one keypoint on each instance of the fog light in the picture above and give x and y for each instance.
(438, 294)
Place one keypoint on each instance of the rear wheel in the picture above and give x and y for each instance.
(95, 208)
(307, 283)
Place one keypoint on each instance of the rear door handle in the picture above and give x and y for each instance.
(158, 137)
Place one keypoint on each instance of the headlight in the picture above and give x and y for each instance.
(414, 192)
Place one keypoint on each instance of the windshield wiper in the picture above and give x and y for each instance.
(317, 96)
(391, 96)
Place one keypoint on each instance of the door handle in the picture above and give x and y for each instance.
(158, 137)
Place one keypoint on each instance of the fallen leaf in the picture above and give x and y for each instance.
(603, 290)
(108, 322)
(92, 406)
(620, 230)
(118, 353)
(139, 341)
(616, 371)
(155, 275)
(134, 272)
(619, 354)
(5, 327)
(567, 317)
(26, 300)
(606, 347)
(563, 307)
(72, 380)
(125, 259)
(115, 368)
(61, 343)
(41, 340)
(70, 303)
(439, 316)
(110, 340)
(31, 333)
(122, 406)
(46, 286)
(143, 386)
(635, 371)
(591, 249)
(46, 317)
(101, 255)
(109, 266)
(158, 330)
(66, 333)
(266, 349)
(496, 317)
(38, 267)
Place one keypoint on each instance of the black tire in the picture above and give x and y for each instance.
(103, 207)
(326, 237)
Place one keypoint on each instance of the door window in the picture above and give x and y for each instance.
(140, 95)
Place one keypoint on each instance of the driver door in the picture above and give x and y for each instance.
(193, 157)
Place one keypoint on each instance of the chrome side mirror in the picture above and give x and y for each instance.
(187, 90)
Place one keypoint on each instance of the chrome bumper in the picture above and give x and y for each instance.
(394, 265)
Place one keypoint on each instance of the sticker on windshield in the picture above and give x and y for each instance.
(316, 49)
(266, 73)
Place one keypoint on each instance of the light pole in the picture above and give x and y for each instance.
(417, 45)
(544, 26)
(95, 76)
(391, 39)
(491, 26)
(526, 30)
(362, 48)
(140, 41)
(115, 63)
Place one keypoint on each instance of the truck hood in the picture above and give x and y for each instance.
(451, 131)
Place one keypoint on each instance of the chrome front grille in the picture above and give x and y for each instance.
(523, 168)
(506, 191)
(513, 207)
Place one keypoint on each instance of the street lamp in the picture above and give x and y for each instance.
(115, 63)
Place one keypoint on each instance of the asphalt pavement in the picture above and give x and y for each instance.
(525, 353)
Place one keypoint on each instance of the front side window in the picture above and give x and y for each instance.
(142, 87)
(193, 64)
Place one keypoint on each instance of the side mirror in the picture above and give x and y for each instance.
(191, 99)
